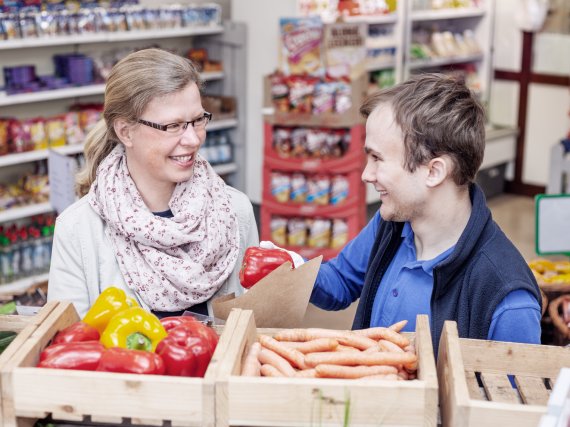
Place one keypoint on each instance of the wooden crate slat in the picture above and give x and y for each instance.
(101, 394)
(532, 390)
(281, 401)
(106, 419)
(486, 413)
(475, 391)
(12, 322)
(513, 358)
(498, 388)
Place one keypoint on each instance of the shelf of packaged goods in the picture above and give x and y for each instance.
(225, 168)
(109, 37)
(377, 66)
(20, 212)
(35, 155)
(21, 285)
(324, 120)
(436, 62)
(222, 124)
(381, 42)
(347, 163)
(456, 13)
(300, 209)
(389, 18)
(74, 92)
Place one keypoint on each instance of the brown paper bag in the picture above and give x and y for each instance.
(279, 300)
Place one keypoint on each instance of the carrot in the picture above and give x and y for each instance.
(251, 366)
(397, 327)
(341, 347)
(350, 372)
(295, 357)
(306, 373)
(268, 357)
(351, 359)
(320, 344)
(389, 377)
(385, 334)
(299, 335)
(386, 345)
(270, 371)
(373, 349)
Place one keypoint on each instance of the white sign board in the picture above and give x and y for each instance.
(553, 224)
(62, 170)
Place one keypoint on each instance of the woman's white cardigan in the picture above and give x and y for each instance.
(83, 262)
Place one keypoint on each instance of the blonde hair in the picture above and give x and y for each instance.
(133, 82)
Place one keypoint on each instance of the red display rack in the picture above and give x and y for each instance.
(352, 210)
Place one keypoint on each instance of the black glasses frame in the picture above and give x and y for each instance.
(164, 128)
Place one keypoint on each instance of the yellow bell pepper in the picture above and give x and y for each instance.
(134, 328)
(109, 302)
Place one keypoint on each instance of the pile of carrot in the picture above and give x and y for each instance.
(373, 353)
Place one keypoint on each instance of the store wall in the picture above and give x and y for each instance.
(548, 106)
(262, 19)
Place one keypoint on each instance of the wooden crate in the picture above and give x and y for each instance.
(465, 364)
(25, 326)
(103, 396)
(261, 401)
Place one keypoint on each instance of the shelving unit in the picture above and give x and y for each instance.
(351, 210)
(456, 20)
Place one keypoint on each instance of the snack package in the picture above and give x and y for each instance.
(279, 92)
(278, 228)
(335, 145)
(315, 143)
(55, 128)
(73, 132)
(4, 139)
(339, 236)
(323, 98)
(319, 233)
(296, 232)
(345, 47)
(280, 186)
(301, 45)
(339, 189)
(301, 91)
(299, 142)
(282, 142)
(318, 190)
(38, 134)
(298, 188)
(343, 96)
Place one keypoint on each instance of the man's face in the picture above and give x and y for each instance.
(402, 193)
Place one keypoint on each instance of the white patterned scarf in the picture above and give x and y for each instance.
(172, 263)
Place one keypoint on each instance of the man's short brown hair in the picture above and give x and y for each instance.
(438, 115)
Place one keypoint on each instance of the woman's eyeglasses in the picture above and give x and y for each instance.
(180, 127)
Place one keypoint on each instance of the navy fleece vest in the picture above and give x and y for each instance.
(481, 271)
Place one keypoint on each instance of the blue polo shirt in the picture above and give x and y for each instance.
(406, 287)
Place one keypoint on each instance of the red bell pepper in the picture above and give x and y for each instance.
(83, 355)
(173, 321)
(78, 331)
(130, 361)
(186, 350)
(259, 262)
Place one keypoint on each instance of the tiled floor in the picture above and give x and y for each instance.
(514, 214)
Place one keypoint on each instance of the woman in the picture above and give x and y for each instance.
(154, 219)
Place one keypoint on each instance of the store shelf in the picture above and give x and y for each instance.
(16, 213)
(390, 18)
(434, 15)
(436, 62)
(74, 92)
(109, 37)
(225, 168)
(381, 43)
(35, 155)
(22, 285)
(377, 66)
(222, 124)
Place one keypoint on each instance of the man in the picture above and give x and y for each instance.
(433, 247)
